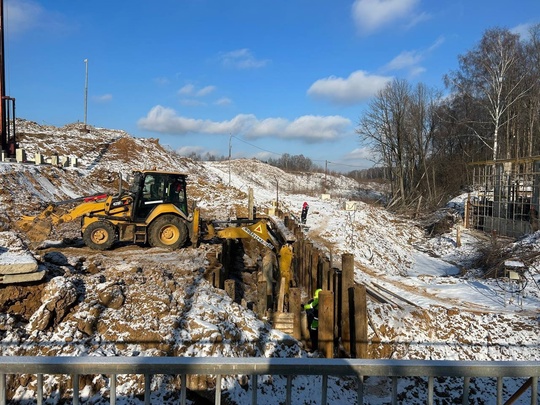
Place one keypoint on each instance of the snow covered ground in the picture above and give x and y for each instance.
(396, 252)
(135, 301)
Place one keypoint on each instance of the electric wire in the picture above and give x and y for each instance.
(281, 154)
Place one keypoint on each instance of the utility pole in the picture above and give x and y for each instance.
(230, 149)
(277, 193)
(325, 172)
(86, 95)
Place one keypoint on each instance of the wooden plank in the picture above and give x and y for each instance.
(295, 309)
(284, 322)
(326, 323)
(347, 282)
(360, 322)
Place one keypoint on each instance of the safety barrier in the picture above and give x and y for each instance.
(253, 367)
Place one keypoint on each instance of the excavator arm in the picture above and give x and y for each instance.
(262, 234)
(257, 231)
(39, 227)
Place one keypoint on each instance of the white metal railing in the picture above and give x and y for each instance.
(184, 366)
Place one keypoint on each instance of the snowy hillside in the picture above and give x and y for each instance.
(141, 301)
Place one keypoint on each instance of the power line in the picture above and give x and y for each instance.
(250, 144)
(343, 164)
(281, 154)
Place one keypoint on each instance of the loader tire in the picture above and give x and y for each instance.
(168, 231)
(99, 235)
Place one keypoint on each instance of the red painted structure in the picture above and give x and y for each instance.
(7, 104)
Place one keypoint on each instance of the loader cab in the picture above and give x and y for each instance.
(151, 189)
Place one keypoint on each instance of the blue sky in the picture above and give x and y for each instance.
(272, 77)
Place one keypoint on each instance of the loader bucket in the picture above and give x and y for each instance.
(37, 230)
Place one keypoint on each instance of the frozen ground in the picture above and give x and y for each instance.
(136, 301)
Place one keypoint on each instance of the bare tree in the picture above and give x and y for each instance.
(531, 105)
(399, 126)
(492, 74)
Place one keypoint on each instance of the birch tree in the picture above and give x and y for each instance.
(492, 74)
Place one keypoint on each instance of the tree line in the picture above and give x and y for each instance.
(425, 139)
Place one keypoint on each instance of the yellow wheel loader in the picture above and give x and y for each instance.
(153, 210)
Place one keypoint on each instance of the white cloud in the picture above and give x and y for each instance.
(24, 15)
(28, 15)
(162, 81)
(188, 150)
(522, 30)
(194, 94)
(191, 102)
(359, 153)
(187, 89)
(405, 59)
(205, 91)
(223, 101)
(358, 87)
(263, 156)
(242, 59)
(410, 60)
(309, 129)
(371, 15)
(190, 89)
(105, 98)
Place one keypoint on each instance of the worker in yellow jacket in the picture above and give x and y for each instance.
(312, 312)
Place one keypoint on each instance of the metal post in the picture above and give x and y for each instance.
(75, 379)
(289, 389)
(147, 379)
(85, 93)
(39, 389)
(2, 389)
(230, 149)
(218, 390)
(183, 392)
(324, 393)
(254, 389)
(360, 390)
(534, 390)
(394, 390)
(277, 194)
(466, 387)
(430, 391)
(112, 389)
(499, 391)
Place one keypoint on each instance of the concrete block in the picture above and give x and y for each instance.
(22, 278)
(325, 197)
(17, 263)
(39, 159)
(20, 155)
